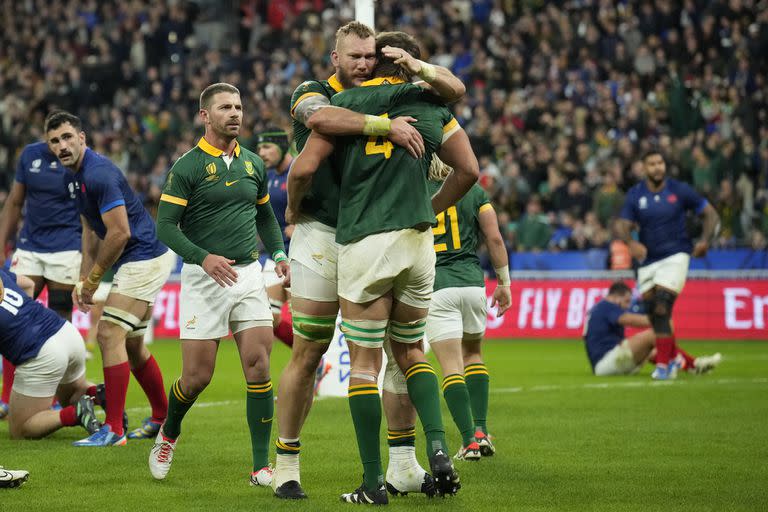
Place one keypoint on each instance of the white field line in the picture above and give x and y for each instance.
(540, 388)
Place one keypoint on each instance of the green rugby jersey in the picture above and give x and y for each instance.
(457, 235)
(219, 202)
(383, 188)
(322, 200)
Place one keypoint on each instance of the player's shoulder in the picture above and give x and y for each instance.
(636, 189)
(312, 87)
(189, 161)
(98, 168)
(36, 149)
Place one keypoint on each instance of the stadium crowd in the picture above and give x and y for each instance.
(563, 97)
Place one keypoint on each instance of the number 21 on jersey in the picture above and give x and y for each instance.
(441, 229)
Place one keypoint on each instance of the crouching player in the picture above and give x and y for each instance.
(457, 314)
(49, 355)
(610, 353)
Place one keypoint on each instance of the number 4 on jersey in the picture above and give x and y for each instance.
(378, 145)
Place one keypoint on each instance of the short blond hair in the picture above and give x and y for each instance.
(439, 170)
(354, 28)
(206, 97)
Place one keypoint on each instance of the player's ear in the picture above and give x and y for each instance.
(335, 58)
(81, 136)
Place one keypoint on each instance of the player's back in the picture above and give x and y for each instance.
(602, 330)
(51, 220)
(661, 217)
(322, 201)
(383, 188)
(25, 324)
(100, 187)
(457, 235)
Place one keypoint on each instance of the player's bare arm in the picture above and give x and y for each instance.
(436, 78)
(489, 225)
(9, 218)
(25, 284)
(634, 320)
(318, 148)
(317, 114)
(109, 250)
(624, 232)
(90, 246)
(456, 152)
(708, 232)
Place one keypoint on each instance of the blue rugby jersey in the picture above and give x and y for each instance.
(100, 187)
(51, 219)
(602, 330)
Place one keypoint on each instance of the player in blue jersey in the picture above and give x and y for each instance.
(657, 206)
(49, 355)
(48, 246)
(117, 232)
(273, 146)
(610, 353)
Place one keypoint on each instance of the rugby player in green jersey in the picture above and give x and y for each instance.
(458, 312)
(214, 205)
(314, 252)
(386, 260)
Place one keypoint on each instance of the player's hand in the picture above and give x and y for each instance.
(502, 300)
(82, 297)
(402, 133)
(283, 269)
(403, 59)
(638, 250)
(220, 269)
(700, 249)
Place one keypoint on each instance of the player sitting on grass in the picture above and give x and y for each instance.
(49, 355)
(610, 353)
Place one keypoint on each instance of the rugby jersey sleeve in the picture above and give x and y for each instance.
(266, 223)
(173, 201)
(450, 124)
(308, 93)
(690, 199)
(104, 186)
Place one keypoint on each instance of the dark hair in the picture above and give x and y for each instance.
(619, 288)
(386, 66)
(356, 28)
(650, 153)
(212, 90)
(60, 117)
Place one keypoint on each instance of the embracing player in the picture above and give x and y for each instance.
(657, 206)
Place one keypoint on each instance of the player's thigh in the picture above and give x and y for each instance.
(313, 244)
(59, 356)
(250, 306)
(198, 359)
(63, 267)
(670, 273)
(143, 280)
(254, 346)
(445, 318)
(369, 267)
(617, 361)
(204, 305)
(415, 254)
(309, 284)
(22, 408)
(641, 345)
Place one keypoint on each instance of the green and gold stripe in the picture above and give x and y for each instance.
(179, 394)
(259, 387)
(450, 380)
(475, 369)
(362, 389)
(401, 434)
(293, 447)
(418, 368)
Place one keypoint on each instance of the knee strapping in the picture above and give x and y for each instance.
(365, 333)
(660, 311)
(407, 332)
(140, 330)
(276, 306)
(121, 318)
(316, 328)
(60, 301)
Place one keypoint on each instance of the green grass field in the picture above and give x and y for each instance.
(565, 441)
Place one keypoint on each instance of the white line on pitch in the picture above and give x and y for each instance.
(628, 384)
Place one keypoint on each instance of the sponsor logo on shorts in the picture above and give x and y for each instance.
(191, 323)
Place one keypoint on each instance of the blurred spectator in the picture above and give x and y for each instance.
(533, 232)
